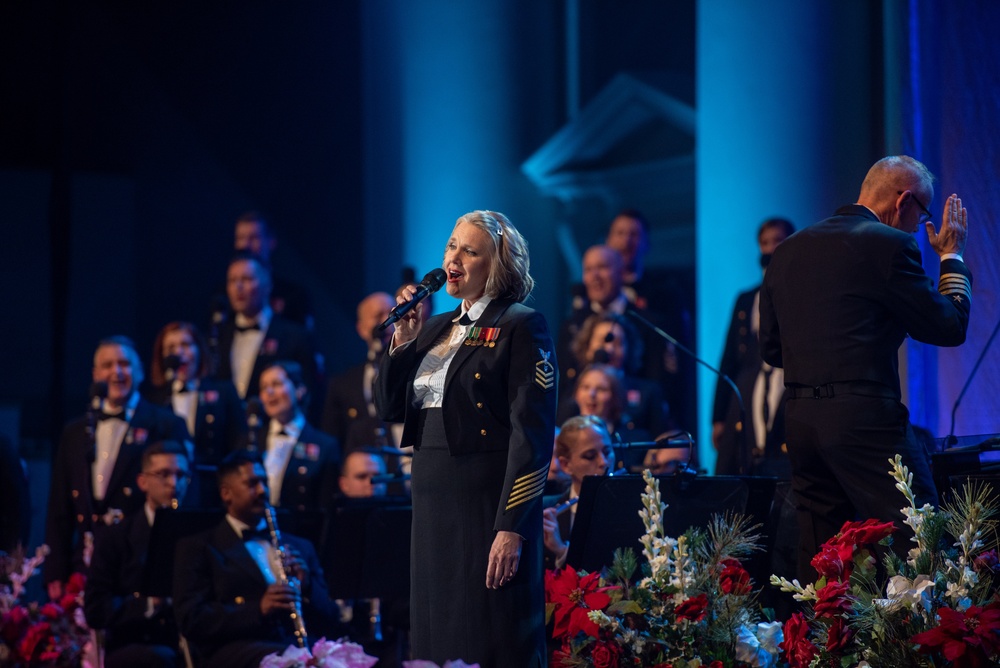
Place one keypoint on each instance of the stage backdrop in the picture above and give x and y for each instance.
(949, 106)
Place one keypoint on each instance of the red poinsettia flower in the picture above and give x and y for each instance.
(799, 650)
(14, 624)
(35, 640)
(51, 611)
(692, 609)
(68, 602)
(868, 532)
(716, 664)
(76, 583)
(574, 598)
(734, 579)
(833, 600)
(838, 637)
(605, 655)
(829, 563)
(967, 639)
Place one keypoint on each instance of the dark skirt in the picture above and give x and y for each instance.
(453, 614)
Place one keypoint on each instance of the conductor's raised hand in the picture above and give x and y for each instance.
(954, 228)
(409, 325)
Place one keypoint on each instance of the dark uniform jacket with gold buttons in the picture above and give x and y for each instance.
(220, 422)
(72, 508)
(218, 588)
(283, 340)
(346, 416)
(310, 479)
(113, 599)
(499, 394)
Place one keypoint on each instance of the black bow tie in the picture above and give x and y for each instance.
(256, 534)
(465, 319)
(101, 415)
(247, 328)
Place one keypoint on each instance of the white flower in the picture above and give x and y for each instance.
(902, 591)
(956, 591)
(599, 618)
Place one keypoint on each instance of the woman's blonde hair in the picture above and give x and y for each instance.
(509, 264)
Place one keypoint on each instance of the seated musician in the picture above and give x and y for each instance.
(139, 629)
(583, 448)
(230, 599)
(357, 473)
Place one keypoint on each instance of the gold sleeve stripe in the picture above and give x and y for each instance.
(954, 281)
(513, 503)
(528, 491)
(530, 478)
(956, 286)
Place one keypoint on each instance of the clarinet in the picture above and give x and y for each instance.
(298, 623)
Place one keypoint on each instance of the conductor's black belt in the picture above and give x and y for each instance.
(830, 390)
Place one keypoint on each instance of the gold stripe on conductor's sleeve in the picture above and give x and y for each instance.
(513, 503)
(530, 478)
(951, 284)
(527, 491)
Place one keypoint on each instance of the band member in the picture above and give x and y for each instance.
(583, 448)
(139, 629)
(98, 458)
(228, 599)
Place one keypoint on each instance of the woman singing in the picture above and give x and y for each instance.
(476, 391)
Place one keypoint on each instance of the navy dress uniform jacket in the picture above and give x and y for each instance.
(494, 400)
(311, 477)
(72, 508)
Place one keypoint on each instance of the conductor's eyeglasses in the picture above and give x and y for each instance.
(927, 212)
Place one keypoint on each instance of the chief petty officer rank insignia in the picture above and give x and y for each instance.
(482, 336)
(545, 373)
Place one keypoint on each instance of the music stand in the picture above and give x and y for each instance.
(607, 516)
(367, 551)
(168, 528)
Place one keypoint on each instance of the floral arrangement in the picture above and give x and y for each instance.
(40, 635)
(325, 654)
(695, 605)
(939, 607)
(339, 654)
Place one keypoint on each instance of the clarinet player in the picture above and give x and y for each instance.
(229, 599)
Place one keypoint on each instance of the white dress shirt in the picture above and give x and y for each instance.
(184, 400)
(108, 436)
(246, 345)
(261, 551)
(279, 451)
(428, 385)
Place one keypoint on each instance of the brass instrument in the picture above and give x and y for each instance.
(298, 623)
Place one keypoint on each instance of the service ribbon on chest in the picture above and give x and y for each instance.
(482, 336)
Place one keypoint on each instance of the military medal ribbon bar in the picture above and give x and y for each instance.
(482, 336)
